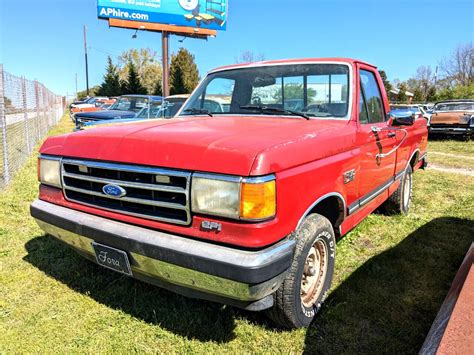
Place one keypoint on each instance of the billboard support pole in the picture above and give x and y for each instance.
(87, 64)
(165, 62)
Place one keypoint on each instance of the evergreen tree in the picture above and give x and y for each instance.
(134, 85)
(418, 95)
(431, 95)
(184, 74)
(158, 89)
(386, 83)
(111, 85)
(402, 95)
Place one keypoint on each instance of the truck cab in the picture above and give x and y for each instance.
(241, 206)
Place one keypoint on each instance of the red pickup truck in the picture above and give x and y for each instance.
(239, 199)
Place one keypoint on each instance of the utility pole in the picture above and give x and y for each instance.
(87, 64)
(76, 88)
(165, 60)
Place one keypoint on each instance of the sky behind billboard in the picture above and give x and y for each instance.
(43, 39)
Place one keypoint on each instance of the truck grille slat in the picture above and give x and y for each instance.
(152, 193)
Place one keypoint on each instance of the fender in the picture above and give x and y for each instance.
(315, 203)
(416, 150)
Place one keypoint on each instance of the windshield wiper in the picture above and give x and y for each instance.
(264, 109)
(198, 111)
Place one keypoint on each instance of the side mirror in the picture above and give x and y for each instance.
(401, 118)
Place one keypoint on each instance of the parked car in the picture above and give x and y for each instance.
(99, 105)
(173, 104)
(155, 110)
(167, 109)
(453, 117)
(91, 102)
(244, 206)
(126, 107)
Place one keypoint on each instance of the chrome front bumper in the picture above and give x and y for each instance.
(451, 130)
(193, 268)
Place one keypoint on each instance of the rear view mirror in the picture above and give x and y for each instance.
(401, 118)
(262, 81)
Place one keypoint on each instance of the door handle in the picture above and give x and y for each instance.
(391, 135)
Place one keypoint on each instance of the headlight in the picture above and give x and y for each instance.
(49, 171)
(234, 197)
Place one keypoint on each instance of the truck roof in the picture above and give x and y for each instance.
(289, 61)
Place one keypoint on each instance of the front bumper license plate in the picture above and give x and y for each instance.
(112, 258)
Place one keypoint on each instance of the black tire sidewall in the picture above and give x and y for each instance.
(305, 314)
(408, 173)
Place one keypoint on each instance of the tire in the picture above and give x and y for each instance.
(314, 241)
(400, 201)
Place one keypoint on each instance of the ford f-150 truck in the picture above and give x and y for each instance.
(241, 204)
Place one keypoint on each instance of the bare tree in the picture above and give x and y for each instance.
(425, 77)
(459, 67)
(249, 57)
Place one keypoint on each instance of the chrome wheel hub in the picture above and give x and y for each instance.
(314, 273)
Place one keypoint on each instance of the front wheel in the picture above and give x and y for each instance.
(309, 278)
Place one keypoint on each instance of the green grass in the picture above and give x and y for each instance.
(458, 150)
(392, 274)
(452, 146)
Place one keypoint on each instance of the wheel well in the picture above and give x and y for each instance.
(414, 159)
(333, 208)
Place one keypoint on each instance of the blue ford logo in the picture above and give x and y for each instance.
(114, 190)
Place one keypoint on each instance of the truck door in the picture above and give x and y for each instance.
(375, 172)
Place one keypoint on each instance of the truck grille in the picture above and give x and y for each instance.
(152, 193)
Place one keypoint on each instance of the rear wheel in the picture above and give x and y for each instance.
(400, 201)
(309, 278)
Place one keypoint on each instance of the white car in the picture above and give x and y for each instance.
(89, 102)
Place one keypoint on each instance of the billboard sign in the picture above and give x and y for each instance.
(208, 14)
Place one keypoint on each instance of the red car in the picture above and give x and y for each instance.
(239, 203)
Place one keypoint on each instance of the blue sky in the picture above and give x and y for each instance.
(42, 39)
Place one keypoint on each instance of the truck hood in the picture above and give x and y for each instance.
(454, 117)
(239, 145)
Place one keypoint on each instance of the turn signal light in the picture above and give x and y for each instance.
(258, 200)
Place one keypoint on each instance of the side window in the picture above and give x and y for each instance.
(363, 116)
(372, 96)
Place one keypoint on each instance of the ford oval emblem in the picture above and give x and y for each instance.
(114, 190)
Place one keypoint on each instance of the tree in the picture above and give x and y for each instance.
(456, 92)
(459, 67)
(402, 96)
(425, 79)
(158, 90)
(431, 95)
(386, 83)
(184, 74)
(146, 63)
(92, 92)
(418, 95)
(111, 85)
(134, 86)
(249, 57)
(293, 91)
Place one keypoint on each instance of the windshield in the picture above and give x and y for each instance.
(166, 109)
(460, 106)
(317, 90)
(128, 103)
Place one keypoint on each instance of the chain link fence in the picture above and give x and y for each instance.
(27, 110)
